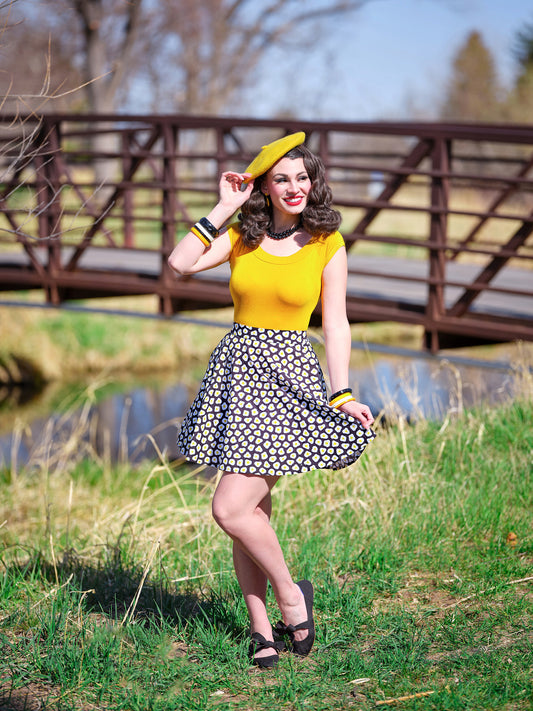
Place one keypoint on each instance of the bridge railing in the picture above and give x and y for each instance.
(446, 195)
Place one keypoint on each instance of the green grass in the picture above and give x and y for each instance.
(117, 591)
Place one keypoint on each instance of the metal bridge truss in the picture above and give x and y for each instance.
(437, 217)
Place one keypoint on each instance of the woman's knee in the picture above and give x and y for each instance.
(233, 522)
(221, 513)
(234, 506)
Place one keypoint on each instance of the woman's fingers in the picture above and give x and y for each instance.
(362, 412)
(233, 189)
(236, 181)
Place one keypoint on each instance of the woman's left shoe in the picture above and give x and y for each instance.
(258, 643)
(300, 647)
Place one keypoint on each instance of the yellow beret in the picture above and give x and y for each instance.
(272, 152)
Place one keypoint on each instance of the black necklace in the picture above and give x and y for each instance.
(285, 233)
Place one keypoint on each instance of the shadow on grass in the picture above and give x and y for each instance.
(110, 589)
(117, 587)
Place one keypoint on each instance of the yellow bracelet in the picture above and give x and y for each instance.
(200, 236)
(341, 400)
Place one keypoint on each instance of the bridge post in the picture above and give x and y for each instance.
(48, 197)
(323, 149)
(168, 217)
(127, 195)
(440, 189)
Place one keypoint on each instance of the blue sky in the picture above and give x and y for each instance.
(390, 59)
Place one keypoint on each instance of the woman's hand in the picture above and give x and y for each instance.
(229, 189)
(360, 411)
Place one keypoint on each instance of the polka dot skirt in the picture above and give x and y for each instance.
(262, 409)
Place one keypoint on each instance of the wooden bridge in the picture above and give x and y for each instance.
(438, 218)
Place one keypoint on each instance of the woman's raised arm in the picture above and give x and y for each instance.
(191, 255)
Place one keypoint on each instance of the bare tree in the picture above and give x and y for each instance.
(209, 50)
(195, 56)
(34, 75)
(24, 100)
(107, 48)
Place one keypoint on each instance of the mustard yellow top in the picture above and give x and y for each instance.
(278, 292)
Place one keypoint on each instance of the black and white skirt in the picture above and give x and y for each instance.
(262, 409)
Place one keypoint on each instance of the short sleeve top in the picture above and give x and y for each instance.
(278, 292)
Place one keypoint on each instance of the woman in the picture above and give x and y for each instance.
(262, 410)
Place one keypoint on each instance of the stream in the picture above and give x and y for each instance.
(132, 421)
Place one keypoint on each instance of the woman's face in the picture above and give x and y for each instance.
(288, 185)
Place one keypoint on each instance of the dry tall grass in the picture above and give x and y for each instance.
(68, 495)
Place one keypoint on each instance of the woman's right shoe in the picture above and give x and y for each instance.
(258, 643)
(300, 647)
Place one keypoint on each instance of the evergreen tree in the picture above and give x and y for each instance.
(523, 48)
(473, 91)
(519, 103)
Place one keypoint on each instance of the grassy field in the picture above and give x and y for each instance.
(117, 592)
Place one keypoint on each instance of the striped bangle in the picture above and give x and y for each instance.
(340, 392)
(341, 400)
(205, 231)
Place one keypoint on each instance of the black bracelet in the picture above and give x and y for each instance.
(211, 229)
(205, 231)
(340, 392)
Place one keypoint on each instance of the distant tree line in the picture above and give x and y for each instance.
(474, 91)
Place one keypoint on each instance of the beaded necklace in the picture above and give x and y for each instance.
(285, 233)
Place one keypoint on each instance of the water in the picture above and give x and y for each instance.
(432, 389)
(128, 425)
(135, 421)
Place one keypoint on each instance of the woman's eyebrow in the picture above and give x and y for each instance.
(286, 175)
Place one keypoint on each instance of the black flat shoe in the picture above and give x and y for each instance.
(303, 647)
(258, 642)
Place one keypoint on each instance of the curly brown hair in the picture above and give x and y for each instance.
(318, 218)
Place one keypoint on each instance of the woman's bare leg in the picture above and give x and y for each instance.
(253, 583)
(241, 507)
(252, 579)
